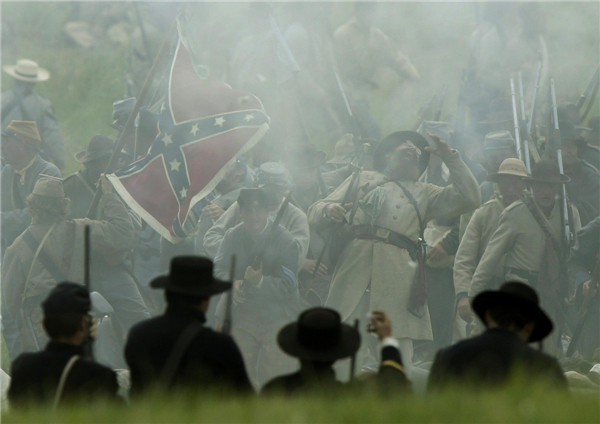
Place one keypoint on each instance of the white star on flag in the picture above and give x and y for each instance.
(183, 192)
(167, 139)
(219, 121)
(175, 164)
(194, 129)
(249, 117)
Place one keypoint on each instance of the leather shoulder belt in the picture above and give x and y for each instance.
(369, 232)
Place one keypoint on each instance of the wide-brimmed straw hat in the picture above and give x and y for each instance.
(396, 139)
(546, 171)
(510, 166)
(27, 70)
(319, 335)
(518, 296)
(191, 275)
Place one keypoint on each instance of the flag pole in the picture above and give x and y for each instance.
(162, 55)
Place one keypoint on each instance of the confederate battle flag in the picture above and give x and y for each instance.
(203, 126)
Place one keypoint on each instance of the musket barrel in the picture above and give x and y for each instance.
(589, 86)
(227, 322)
(523, 120)
(515, 117)
(536, 87)
(557, 139)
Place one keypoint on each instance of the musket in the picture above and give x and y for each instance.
(353, 359)
(516, 118)
(522, 125)
(591, 102)
(353, 119)
(346, 198)
(227, 322)
(583, 311)
(536, 87)
(424, 113)
(162, 55)
(568, 236)
(589, 86)
(86, 283)
(438, 113)
(258, 257)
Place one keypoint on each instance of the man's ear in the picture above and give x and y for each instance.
(488, 318)
(528, 328)
(83, 325)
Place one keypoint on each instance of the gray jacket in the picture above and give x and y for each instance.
(36, 108)
(15, 215)
(277, 297)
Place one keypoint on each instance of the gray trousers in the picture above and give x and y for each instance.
(120, 290)
(263, 358)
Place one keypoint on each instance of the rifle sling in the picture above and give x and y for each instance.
(413, 202)
(181, 346)
(47, 263)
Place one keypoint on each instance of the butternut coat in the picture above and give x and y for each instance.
(389, 270)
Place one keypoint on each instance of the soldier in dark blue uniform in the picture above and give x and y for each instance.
(61, 372)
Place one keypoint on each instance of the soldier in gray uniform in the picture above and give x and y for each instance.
(51, 250)
(21, 103)
(584, 188)
(81, 186)
(265, 292)
(22, 168)
(303, 162)
(274, 178)
(226, 194)
(112, 275)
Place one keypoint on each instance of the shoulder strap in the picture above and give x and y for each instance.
(542, 221)
(38, 253)
(413, 202)
(176, 355)
(63, 380)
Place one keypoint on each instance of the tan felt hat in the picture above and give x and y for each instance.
(510, 166)
(49, 186)
(27, 70)
(25, 131)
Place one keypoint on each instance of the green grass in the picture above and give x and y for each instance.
(518, 404)
(84, 83)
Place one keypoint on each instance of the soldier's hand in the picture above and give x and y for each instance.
(381, 324)
(309, 267)
(442, 147)
(213, 211)
(93, 329)
(437, 253)
(587, 286)
(105, 185)
(237, 292)
(253, 276)
(464, 309)
(336, 211)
